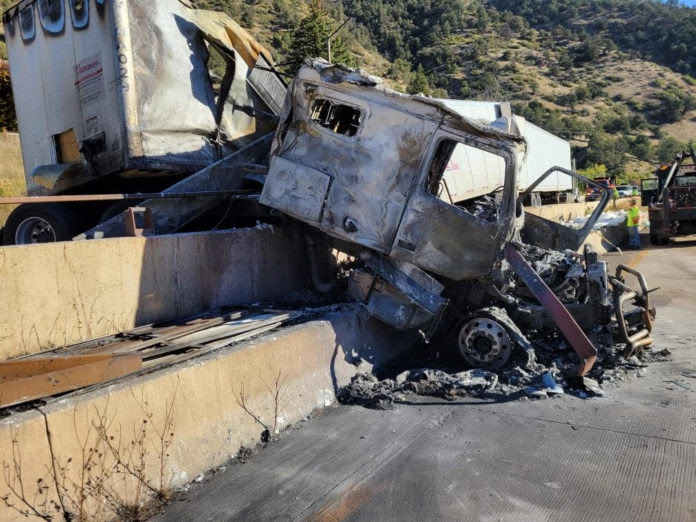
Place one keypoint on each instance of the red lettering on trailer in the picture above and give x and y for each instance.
(89, 76)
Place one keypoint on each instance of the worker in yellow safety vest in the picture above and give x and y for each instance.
(633, 221)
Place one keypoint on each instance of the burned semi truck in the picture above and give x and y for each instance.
(366, 166)
(114, 95)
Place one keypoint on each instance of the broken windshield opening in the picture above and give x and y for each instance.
(338, 118)
(52, 15)
(466, 177)
(436, 184)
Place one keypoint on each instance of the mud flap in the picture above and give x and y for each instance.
(560, 314)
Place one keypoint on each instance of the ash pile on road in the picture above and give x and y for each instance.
(550, 370)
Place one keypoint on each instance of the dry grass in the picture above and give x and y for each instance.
(12, 181)
(684, 129)
(11, 167)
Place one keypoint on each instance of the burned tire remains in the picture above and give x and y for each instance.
(484, 343)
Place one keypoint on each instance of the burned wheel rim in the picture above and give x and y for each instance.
(484, 343)
(34, 230)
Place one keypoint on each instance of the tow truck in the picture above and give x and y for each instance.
(671, 199)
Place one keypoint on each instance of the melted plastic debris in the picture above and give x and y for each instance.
(365, 389)
(484, 208)
(553, 373)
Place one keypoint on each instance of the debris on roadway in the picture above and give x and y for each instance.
(551, 374)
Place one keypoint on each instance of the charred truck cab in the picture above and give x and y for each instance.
(372, 169)
(367, 166)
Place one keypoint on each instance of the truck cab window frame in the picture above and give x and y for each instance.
(685, 181)
(649, 184)
(52, 15)
(79, 13)
(484, 207)
(27, 24)
(336, 116)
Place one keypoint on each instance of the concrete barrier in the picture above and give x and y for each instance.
(568, 211)
(61, 293)
(212, 406)
(563, 211)
(602, 241)
(607, 239)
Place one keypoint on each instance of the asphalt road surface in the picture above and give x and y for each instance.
(630, 455)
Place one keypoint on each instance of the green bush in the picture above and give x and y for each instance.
(668, 148)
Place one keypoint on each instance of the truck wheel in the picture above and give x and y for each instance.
(484, 343)
(39, 223)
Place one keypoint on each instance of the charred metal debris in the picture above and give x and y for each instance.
(552, 374)
(368, 171)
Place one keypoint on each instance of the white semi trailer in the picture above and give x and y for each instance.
(473, 173)
(117, 96)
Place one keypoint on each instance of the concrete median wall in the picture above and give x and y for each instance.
(563, 211)
(213, 403)
(607, 239)
(568, 211)
(602, 241)
(61, 293)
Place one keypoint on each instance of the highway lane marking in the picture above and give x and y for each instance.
(636, 260)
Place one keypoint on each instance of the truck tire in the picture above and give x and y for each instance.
(40, 223)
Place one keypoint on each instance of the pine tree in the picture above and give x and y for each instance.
(309, 40)
(419, 82)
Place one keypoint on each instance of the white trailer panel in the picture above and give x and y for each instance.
(54, 91)
(544, 150)
(473, 172)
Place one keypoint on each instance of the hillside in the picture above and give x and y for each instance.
(617, 106)
(612, 76)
